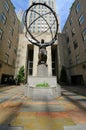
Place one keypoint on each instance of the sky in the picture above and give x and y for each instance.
(62, 6)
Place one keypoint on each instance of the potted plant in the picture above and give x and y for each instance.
(21, 76)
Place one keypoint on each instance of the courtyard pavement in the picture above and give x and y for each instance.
(17, 112)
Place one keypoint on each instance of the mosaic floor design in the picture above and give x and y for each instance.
(20, 111)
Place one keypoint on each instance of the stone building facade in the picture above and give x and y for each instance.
(8, 40)
(75, 43)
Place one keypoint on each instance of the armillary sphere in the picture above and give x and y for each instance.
(46, 21)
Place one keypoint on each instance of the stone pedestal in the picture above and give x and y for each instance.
(42, 70)
(32, 91)
(49, 93)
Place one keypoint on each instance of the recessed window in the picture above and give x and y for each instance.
(13, 62)
(70, 61)
(11, 31)
(14, 21)
(6, 6)
(77, 58)
(75, 44)
(78, 6)
(15, 50)
(84, 34)
(52, 5)
(73, 32)
(81, 19)
(39, 6)
(1, 33)
(69, 50)
(6, 58)
(3, 18)
(67, 38)
(9, 44)
(71, 20)
(66, 30)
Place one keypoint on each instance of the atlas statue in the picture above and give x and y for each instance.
(35, 38)
(42, 56)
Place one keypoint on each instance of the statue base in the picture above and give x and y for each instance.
(34, 92)
(42, 70)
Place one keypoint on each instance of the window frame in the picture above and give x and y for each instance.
(84, 36)
(71, 20)
(3, 18)
(9, 44)
(73, 32)
(81, 19)
(6, 6)
(77, 59)
(1, 33)
(75, 44)
(15, 49)
(78, 7)
(6, 58)
(11, 31)
(69, 50)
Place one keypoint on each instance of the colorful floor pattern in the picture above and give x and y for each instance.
(17, 110)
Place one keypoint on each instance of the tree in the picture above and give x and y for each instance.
(21, 75)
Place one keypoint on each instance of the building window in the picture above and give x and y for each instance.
(67, 39)
(69, 50)
(1, 33)
(84, 34)
(17, 40)
(11, 31)
(70, 62)
(52, 5)
(13, 62)
(39, 6)
(6, 58)
(78, 6)
(15, 50)
(3, 18)
(6, 6)
(9, 44)
(66, 30)
(77, 59)
(71, 20)
(75, 44)
(73, 32)
(81, 19)
(14, 20)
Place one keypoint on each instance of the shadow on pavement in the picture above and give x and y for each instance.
(81, 90)
(8, 111)
(75, 102)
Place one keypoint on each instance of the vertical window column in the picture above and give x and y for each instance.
(1, 33)
(3, 18)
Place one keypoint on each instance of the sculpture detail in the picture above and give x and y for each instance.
(50, 27)
(42, 56)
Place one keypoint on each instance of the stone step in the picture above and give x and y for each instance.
(76, 127)
(42, 93)
(31, 90)
(33, 81)
(82, 126)
(7, 127)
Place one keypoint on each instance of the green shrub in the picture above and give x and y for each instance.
(42, 85)
(21, 76)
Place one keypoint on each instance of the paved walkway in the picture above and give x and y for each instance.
(76, 89)
(30, 114)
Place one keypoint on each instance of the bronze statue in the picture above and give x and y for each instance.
(42, 54)
(35, 38)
